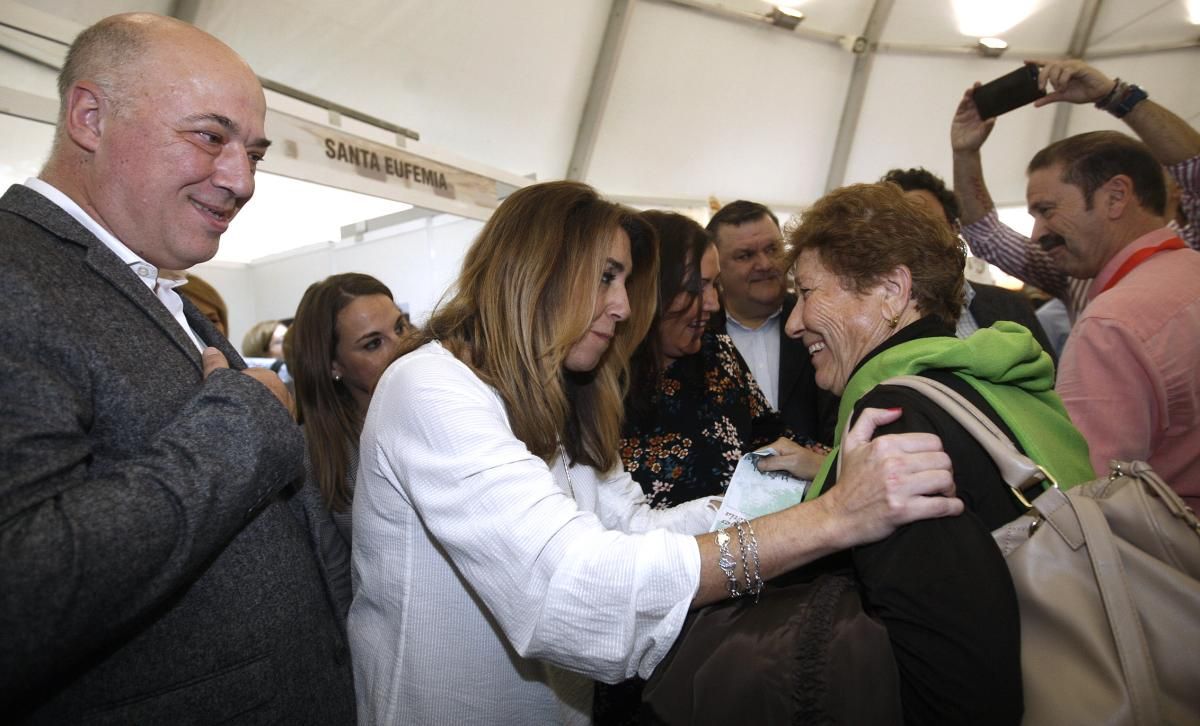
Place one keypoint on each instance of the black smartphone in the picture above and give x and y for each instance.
(1009, 91)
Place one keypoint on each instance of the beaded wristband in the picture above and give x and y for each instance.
(1102, 104)
(1132, 97)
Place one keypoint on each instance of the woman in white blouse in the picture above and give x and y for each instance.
(502, 558)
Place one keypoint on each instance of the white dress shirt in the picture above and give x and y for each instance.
(760, 347)
(163, 288)
(491, 587)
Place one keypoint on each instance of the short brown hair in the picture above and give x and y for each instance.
(1089, 160)
(864, 231)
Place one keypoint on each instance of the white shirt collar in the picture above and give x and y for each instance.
(730, 319)
(146, 271)
(163, 289)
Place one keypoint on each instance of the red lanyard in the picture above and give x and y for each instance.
(1141, 256)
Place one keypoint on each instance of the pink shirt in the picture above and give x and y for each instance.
(1130, 374)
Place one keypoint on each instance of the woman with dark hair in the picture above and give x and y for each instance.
(503, 558)
(345, 333)
(880, 281)
(693, 408)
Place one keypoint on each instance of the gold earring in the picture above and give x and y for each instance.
(893, 322)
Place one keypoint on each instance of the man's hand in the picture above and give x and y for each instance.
(1071, 81)
(889, 481)
(214, 359)
(968, 131)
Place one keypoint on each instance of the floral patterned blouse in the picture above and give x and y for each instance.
(707, 411)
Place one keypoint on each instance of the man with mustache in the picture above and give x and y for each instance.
(754, 306)
(1172, 141)
(1128, 376)
(152, 571)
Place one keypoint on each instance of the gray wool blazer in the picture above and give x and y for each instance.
(151, 570)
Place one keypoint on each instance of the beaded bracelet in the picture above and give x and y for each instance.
(1122, 98)
(1102, 104)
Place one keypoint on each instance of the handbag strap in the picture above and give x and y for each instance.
(1017, 469)
(1122, 615)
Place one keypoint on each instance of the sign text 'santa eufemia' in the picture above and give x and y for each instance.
(368, 159)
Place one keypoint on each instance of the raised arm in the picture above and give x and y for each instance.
(987, 237)
(968, 131)
(1170, 138)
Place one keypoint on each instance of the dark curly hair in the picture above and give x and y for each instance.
(921, 179)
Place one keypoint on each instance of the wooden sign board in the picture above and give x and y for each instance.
(325, 155)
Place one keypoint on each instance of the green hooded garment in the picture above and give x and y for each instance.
(1013, 374)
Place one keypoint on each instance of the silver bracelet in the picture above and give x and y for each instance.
(758, 581)
(726, 561)
(741, 533)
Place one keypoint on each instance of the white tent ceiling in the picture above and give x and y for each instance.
(700, 101)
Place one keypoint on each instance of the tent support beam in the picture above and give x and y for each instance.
(602, 82)
(1080, 38)
(864, 48)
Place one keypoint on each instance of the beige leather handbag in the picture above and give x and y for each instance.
(1108, 583)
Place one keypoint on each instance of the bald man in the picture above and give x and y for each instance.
(151, 569)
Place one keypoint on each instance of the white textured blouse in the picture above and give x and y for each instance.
(490, 587)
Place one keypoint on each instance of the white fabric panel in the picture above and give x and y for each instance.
(502, 83)
(906, 115)
(702, 106)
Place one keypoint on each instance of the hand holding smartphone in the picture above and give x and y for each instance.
(1010, 91)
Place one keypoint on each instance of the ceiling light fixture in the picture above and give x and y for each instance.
(785, 17)
(991, 47)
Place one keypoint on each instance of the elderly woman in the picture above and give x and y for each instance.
(503, 558)
(881, 282)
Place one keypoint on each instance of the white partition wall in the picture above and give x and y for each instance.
(418, 260)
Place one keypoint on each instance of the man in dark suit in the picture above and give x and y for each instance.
(151, 571)
(754, 305)
(985, 303)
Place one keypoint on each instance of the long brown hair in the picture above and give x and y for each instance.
(682, 243)
(526, 295)
(331, 418)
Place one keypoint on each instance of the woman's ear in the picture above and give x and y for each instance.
(896, 286)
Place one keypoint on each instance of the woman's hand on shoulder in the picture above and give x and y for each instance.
(888, 481)
(800, 461)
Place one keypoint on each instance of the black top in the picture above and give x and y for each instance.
(941, 585)
(706, 412)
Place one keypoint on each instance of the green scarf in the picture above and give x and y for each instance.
(1013, 374)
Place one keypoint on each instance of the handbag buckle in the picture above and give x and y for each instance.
(1038, 480)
